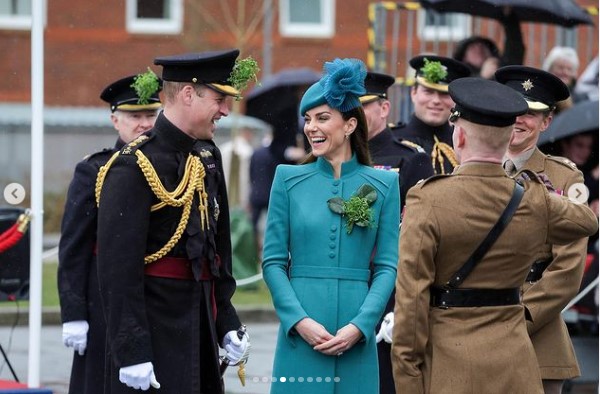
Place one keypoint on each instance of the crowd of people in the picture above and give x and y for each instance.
(420, 258)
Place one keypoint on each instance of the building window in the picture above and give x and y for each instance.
(307, 18)
(16, 14)
(436, 26)
(155, 16)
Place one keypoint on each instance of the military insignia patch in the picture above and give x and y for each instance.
(527, 85)
(205, 153)
(216, 210)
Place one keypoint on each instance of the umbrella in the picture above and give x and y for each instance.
(580, 118)
(558, 12)
(286, 77)
(276, 101)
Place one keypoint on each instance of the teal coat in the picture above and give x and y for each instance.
(313, 268)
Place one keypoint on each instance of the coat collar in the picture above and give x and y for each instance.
(348, 167)
(480, 169)
(172, 136)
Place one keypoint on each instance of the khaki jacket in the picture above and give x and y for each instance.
(468, 349)
(546, 298)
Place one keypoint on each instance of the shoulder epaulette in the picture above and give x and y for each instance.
(396, 125)
(418, 148)
(564, 161)
(136, 144)
(432, 178)
(92, 155)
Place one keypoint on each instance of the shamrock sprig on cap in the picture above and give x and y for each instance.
(145, 85)
(244, 71)
(433, 71)
(357, 209)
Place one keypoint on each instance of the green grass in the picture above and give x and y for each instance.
(259, 295)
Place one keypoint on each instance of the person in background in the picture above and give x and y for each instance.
(164, 247)
(428, 127)
(464, 253)
(331, 245)
(556, 270)
(134, 105)
(564, 63)
(413, 164)
(476, 51)
(587, 83)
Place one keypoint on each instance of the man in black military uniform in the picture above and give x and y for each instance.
(164, 248)
(83, 322)
(393, 154)
(428, 126)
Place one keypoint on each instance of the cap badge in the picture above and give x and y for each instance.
(527, 85)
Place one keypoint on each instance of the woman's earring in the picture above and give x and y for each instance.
(347, 136)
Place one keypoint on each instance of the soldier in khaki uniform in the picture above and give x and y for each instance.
(459, 323)
(557, 270)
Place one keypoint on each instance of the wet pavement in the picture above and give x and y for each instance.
(55, 366)
(56, 360)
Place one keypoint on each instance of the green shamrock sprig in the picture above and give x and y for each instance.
(357, 209)
(433, 71)
(145, 85)
(244, 71)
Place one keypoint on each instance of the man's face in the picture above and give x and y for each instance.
(526, 131)
(208, 107)
(131, 125)
(476, 54)
(376, 113)
(431, 107)
(578, 148)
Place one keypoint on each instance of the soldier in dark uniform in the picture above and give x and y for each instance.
(465, 250)
(392, 154)
(164, 247)
(428, 126)
(83, 322)
(557, 270)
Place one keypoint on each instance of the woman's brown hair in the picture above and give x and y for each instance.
(358, 139)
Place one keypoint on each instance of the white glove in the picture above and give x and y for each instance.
(387, 326)
(237, 349)
(74, 334)
(139, 376)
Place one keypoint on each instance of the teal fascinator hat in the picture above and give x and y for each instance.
(340, 87)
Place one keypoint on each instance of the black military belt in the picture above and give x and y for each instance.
(447, 297)
(536, 270)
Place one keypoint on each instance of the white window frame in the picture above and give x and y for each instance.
(460, 29)
(325, 29)
(20, 22)
(174, 25)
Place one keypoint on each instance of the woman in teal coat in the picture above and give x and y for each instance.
(331, 245)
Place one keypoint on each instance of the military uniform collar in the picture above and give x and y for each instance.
(419, 128)
(380, 141)
(348, 167)
(523, 158)
(480, 169)
(119, 144)
(172, 135)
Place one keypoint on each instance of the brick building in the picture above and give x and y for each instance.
(91, 43)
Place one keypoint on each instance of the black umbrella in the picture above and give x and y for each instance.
(558, 12)
(276, 101)
(284, 78)
(580, 118)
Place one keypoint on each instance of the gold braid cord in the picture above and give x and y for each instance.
(183, 195)
(101, 175)
(441, 149)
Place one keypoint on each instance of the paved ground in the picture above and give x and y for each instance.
(56, 359)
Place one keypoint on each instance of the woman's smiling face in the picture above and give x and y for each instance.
(326, 131)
